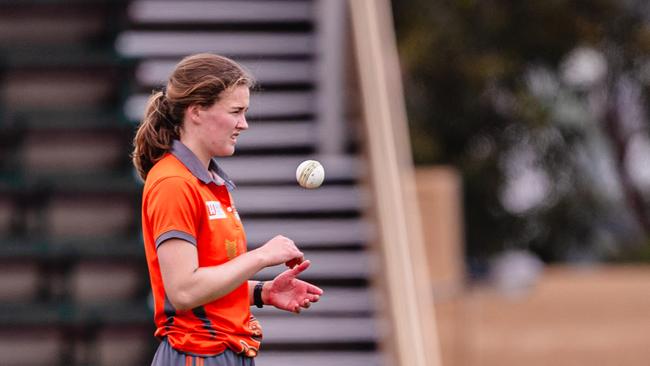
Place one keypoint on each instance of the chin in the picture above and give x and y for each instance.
(226, 152)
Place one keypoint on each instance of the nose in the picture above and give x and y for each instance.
(242, 124)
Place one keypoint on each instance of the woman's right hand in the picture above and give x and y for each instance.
(280, 250)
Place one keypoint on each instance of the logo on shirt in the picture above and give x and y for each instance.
(231, 248)
(214, 210)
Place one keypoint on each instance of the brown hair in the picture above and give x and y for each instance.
(197, 80)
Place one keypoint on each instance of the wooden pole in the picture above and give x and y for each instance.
(413, 336)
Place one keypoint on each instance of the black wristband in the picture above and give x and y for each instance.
(257, 294)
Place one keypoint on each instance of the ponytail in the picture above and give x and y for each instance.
(155, 134)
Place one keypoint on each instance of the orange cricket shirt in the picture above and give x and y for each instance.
(183, 200)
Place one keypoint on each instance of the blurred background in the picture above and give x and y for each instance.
(540, 109)
(529, 129)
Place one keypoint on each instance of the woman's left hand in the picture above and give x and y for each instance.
(288, 293)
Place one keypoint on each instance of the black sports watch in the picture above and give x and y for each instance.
(257, 294)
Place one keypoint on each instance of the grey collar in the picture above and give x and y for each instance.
(193, 164)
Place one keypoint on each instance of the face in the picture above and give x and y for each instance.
(220, 124)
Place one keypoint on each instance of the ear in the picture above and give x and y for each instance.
(193, 113)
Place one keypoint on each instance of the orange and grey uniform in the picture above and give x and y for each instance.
(183, 200)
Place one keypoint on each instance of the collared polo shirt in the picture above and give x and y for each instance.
(183, 200)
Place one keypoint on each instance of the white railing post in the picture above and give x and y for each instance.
(331, 23)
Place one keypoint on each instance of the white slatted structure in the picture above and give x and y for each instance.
(286, 200)
(311, 329)
(155, 72)
(280, 169)
(153, 43)
(318, 358)
(278, 41)
(338, 300)
(309, 233)
(208, 11)
(338, 265)
(263, 105)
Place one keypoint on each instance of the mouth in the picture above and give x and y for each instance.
(233, 137)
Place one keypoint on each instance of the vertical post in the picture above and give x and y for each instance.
(409, 294)
(331, 29)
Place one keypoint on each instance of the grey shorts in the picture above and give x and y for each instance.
(167, 356)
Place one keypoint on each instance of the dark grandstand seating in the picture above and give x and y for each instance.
(73, 79)
(72, 276)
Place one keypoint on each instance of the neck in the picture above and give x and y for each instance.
(195, 147)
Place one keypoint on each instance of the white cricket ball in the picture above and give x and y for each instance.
(310, 174)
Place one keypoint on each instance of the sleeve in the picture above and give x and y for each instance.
(172, 211)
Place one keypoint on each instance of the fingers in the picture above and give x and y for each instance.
(279, 250)
(297, 306)
(301, 267)
(294, 262)
(295, 255)
(308, 300)
(305, 304)
(314, 290)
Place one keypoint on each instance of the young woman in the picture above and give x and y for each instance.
(194, 240)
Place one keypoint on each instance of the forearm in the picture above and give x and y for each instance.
(251, 288)
(187, 285)
(206, 284)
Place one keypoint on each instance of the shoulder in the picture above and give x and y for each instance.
(169, 165)
(170, 175)
(171, 194)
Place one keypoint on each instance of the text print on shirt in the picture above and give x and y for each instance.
(214, 210)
